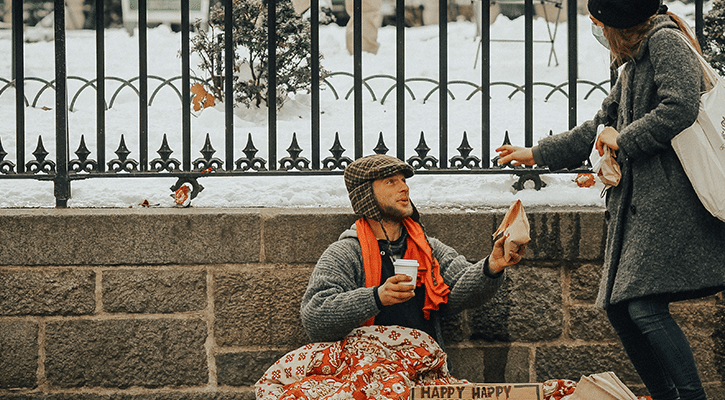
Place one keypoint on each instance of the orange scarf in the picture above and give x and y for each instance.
(417, 248)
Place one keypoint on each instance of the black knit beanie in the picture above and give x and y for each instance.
(622, 14)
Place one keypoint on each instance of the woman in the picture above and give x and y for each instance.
(662, 244)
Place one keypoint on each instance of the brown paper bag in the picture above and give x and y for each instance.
(515, 227)
(602, 386)
(606, 167)
(609, 171)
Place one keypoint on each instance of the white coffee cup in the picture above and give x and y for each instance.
(407, 267)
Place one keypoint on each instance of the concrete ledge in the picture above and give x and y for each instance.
(189, 236)
(128, 236)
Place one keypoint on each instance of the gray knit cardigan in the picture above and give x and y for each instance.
(336, 300)
(660, 239)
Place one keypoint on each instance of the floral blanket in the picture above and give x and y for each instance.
(558, 389)
(373, 362)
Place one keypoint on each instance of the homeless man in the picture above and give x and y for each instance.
(354, 283)
(367, 324)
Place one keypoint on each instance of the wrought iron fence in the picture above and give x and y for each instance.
(64, 169)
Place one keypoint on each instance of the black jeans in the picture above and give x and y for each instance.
(657, 348)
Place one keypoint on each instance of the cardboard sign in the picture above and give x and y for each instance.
(476, 391)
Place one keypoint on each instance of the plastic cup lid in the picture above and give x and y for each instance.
(406, 263)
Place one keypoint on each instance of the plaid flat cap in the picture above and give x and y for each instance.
(359, 177)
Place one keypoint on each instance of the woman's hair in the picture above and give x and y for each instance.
(625, 43)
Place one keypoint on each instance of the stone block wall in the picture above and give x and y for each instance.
(198, 303)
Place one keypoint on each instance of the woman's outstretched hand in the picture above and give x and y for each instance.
(519, 155)
(608, 137)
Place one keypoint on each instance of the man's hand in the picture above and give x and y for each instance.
(497, 262)
(395, 290)
(519, 155)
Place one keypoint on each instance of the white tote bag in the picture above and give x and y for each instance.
(701, 147)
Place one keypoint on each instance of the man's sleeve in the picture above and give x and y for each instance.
(336, 301)
(471, 284)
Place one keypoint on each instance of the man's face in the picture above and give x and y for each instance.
(391, 193)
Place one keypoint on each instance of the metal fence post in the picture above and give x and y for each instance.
(229, 84)
(485, 84)
(573, 60)
(400, 78)
(18, 72)
(62, 180)
(272, 81)
(100, 88)
(185, 78)
(315, 82)
(357, 76)
(143, 83)
(529, 73)
(443, 82)
(699, 23)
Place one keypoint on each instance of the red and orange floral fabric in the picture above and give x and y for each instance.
(372, 362)
(558, 389)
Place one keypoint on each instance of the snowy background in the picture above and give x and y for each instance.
(440, 191)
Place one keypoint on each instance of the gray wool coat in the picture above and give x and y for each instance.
(660, 239)
(336, 300)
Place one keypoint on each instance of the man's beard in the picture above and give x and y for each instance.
(394, 214)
